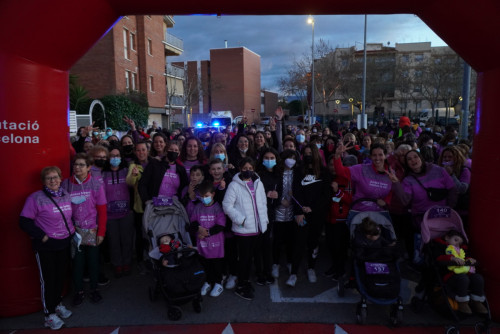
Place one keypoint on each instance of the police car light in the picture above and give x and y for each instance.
(215, 123)
(199, 124)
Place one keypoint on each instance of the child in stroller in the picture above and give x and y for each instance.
(176, 267)
(459, 274)
(375, 255)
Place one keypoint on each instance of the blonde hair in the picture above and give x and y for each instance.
(219, 146)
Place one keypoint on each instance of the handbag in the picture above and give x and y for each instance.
(89, 236)
(434, 194)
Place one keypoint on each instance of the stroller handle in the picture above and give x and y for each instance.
(367, 199)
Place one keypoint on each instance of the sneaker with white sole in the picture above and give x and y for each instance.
(62, 312)
(291, 280)
(275, 272)
(231, 282)
(217, 290)
(205, 288)
(311, 275)
(53, 322)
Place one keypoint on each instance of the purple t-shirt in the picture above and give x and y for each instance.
(117, 193)
(435, 177)
(188, 164)
(85, 213)
(211, 247)
(47, 216)
(170, 183)
(370, 184)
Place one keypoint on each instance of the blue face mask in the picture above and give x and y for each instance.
(115, 162)
(220, 156)
(318, 146)
(301, 138)
(206, 200)
(109, 133)
(95, 133)
(269, 164)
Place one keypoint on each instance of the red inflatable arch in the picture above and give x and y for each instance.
(41, 40)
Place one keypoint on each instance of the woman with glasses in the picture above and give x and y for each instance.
(88, 202)
(46, 218)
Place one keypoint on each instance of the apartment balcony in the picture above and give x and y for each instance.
(169, 21)
(175, 71)
(174, 46)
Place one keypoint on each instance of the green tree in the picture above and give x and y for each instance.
(78, 96)
(134, 106)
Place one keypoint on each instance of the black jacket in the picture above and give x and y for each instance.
(150, 182)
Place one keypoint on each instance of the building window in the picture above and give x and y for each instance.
(405, 58)
(132, 41)
(134, 81)
(127, 81)
(150, 47)
(126, 45)
(419, 58)
(151, 84)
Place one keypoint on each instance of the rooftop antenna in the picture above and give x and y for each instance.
(225, 43)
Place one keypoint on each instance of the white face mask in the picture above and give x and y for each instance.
(290, 162)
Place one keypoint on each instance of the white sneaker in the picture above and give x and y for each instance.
(63, 312)
(217, 290)
(53, 322)
(311, 275)
(231, 282)
(205, 288)
(275, 271)
(291, 280)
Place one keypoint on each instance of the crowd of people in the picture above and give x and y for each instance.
(250, 194)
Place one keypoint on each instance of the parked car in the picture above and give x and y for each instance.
(265, 120)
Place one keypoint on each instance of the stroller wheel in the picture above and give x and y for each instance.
(452, 330)
(341, 287)
(481, 327)
(417, 304)
(153, 296)
(361, 313)
(174, 313)
(197, 304)
(397, 314)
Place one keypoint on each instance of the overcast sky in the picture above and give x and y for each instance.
(278, 39)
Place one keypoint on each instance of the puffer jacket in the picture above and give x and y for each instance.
(238, 205)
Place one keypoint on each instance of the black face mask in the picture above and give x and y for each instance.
(172, 156)
(128, 148)
(308, 159)
(247, 174)
(100, 163)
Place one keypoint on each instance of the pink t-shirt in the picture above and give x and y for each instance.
(170, 183)
(47, 216)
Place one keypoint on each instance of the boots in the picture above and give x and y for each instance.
(463, 307)
(477, 307)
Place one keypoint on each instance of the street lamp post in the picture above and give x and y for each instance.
(310, 20)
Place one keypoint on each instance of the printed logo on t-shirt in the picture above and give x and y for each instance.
(309, 179)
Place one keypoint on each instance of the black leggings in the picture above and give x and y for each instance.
(464, 284)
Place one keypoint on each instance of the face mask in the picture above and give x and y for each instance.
(290, 162)
(220, 156)
(109, 133)
(418, 150)
(244, 150)
(247, 174)
(115, 162)
(100, 163)
(450, 143)
(315, 131)
(330, 147)
(128, 148)
(78, 199)
(269, 163)
(428, 129)
(318, 146)
(430, 146)
(308, 159)
(95, 133)
(301, 138)
(206, 200)
(172, 156)
(447, 163)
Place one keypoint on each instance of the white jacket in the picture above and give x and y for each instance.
(238, 205)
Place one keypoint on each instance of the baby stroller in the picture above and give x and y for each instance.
(436, 223)
(376, 270)
(181, 280)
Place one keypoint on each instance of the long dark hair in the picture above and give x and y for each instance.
(278, 168)
(408, 170)
(201, 153)
(316, 160)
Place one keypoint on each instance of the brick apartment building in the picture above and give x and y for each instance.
(229, 81)
(132, 57)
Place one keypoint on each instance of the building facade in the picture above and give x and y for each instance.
(131, 57)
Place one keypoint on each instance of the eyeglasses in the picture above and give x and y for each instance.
(102, 157)
(52, 178)
(80, 165)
